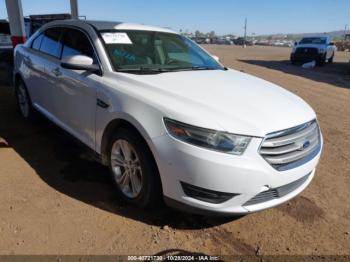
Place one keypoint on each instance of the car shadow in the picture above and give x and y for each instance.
(64, 165)
(336, 74)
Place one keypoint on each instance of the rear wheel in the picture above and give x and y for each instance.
(133, 169)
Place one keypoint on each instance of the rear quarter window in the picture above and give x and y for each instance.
(37, 42)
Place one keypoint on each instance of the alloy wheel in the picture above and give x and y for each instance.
(126, 168)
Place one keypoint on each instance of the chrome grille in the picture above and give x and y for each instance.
(306, 51)
(292, 147)
(276, 192)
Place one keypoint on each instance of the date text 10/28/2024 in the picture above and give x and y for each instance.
(174, 258)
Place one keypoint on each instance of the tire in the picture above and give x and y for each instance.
(330, 60)
(292, 60)
(24, 103)
(133, 170)
(9, 70)
(321, 61)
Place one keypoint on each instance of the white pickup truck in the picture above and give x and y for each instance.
(320, 49)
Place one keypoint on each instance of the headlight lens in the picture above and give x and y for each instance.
(207, 138)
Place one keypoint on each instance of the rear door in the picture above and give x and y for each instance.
(75, 91)
(46, 61)
(33, 69)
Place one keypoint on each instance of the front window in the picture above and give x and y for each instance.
(313, 40)
(148, 51)
(51, 42)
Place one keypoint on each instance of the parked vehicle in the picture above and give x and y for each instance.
(221, 41)
(31, 25)
(37, 21)
(241, 41)
(320, 49)
(6, 50)
(167, 118)
(5, 36)
(200, 40)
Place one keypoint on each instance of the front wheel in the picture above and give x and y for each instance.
(292, 60)
(133, 169)
(321, 61)
(330, 60)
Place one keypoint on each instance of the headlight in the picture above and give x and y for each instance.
(207, 138)
(321, 50)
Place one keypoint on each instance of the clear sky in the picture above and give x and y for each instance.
(222, 16)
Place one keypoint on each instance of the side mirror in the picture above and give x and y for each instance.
(331, 43)
(79, 62)
(295, 43)
(217, 59)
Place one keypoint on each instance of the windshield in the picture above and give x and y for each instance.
(133, 51)
(313, 40)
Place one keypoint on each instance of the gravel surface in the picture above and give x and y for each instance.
(55, 200)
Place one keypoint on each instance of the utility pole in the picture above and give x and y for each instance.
(346, 26)
(15, 15)
(245, 33)
(74, 9)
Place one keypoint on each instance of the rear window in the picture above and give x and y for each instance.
(4, 28)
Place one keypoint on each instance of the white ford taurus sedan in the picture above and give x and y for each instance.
(167, 118)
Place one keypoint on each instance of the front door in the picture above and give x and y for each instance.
(75, 93)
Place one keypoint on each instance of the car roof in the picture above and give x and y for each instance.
(109, 25)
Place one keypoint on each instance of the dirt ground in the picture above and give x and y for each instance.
(53, 200)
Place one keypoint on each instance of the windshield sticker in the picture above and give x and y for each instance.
(116, 38)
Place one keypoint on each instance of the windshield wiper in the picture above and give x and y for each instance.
(192, 68)
(150, 70)
(143, 70)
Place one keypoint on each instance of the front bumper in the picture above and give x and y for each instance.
(307, 57)
(245, 176)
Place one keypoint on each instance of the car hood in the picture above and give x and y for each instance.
(229, 100)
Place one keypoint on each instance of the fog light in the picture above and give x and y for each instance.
(206, 195)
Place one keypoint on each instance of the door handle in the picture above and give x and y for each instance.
(102, 104)
(57, 72)
(27, 60)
